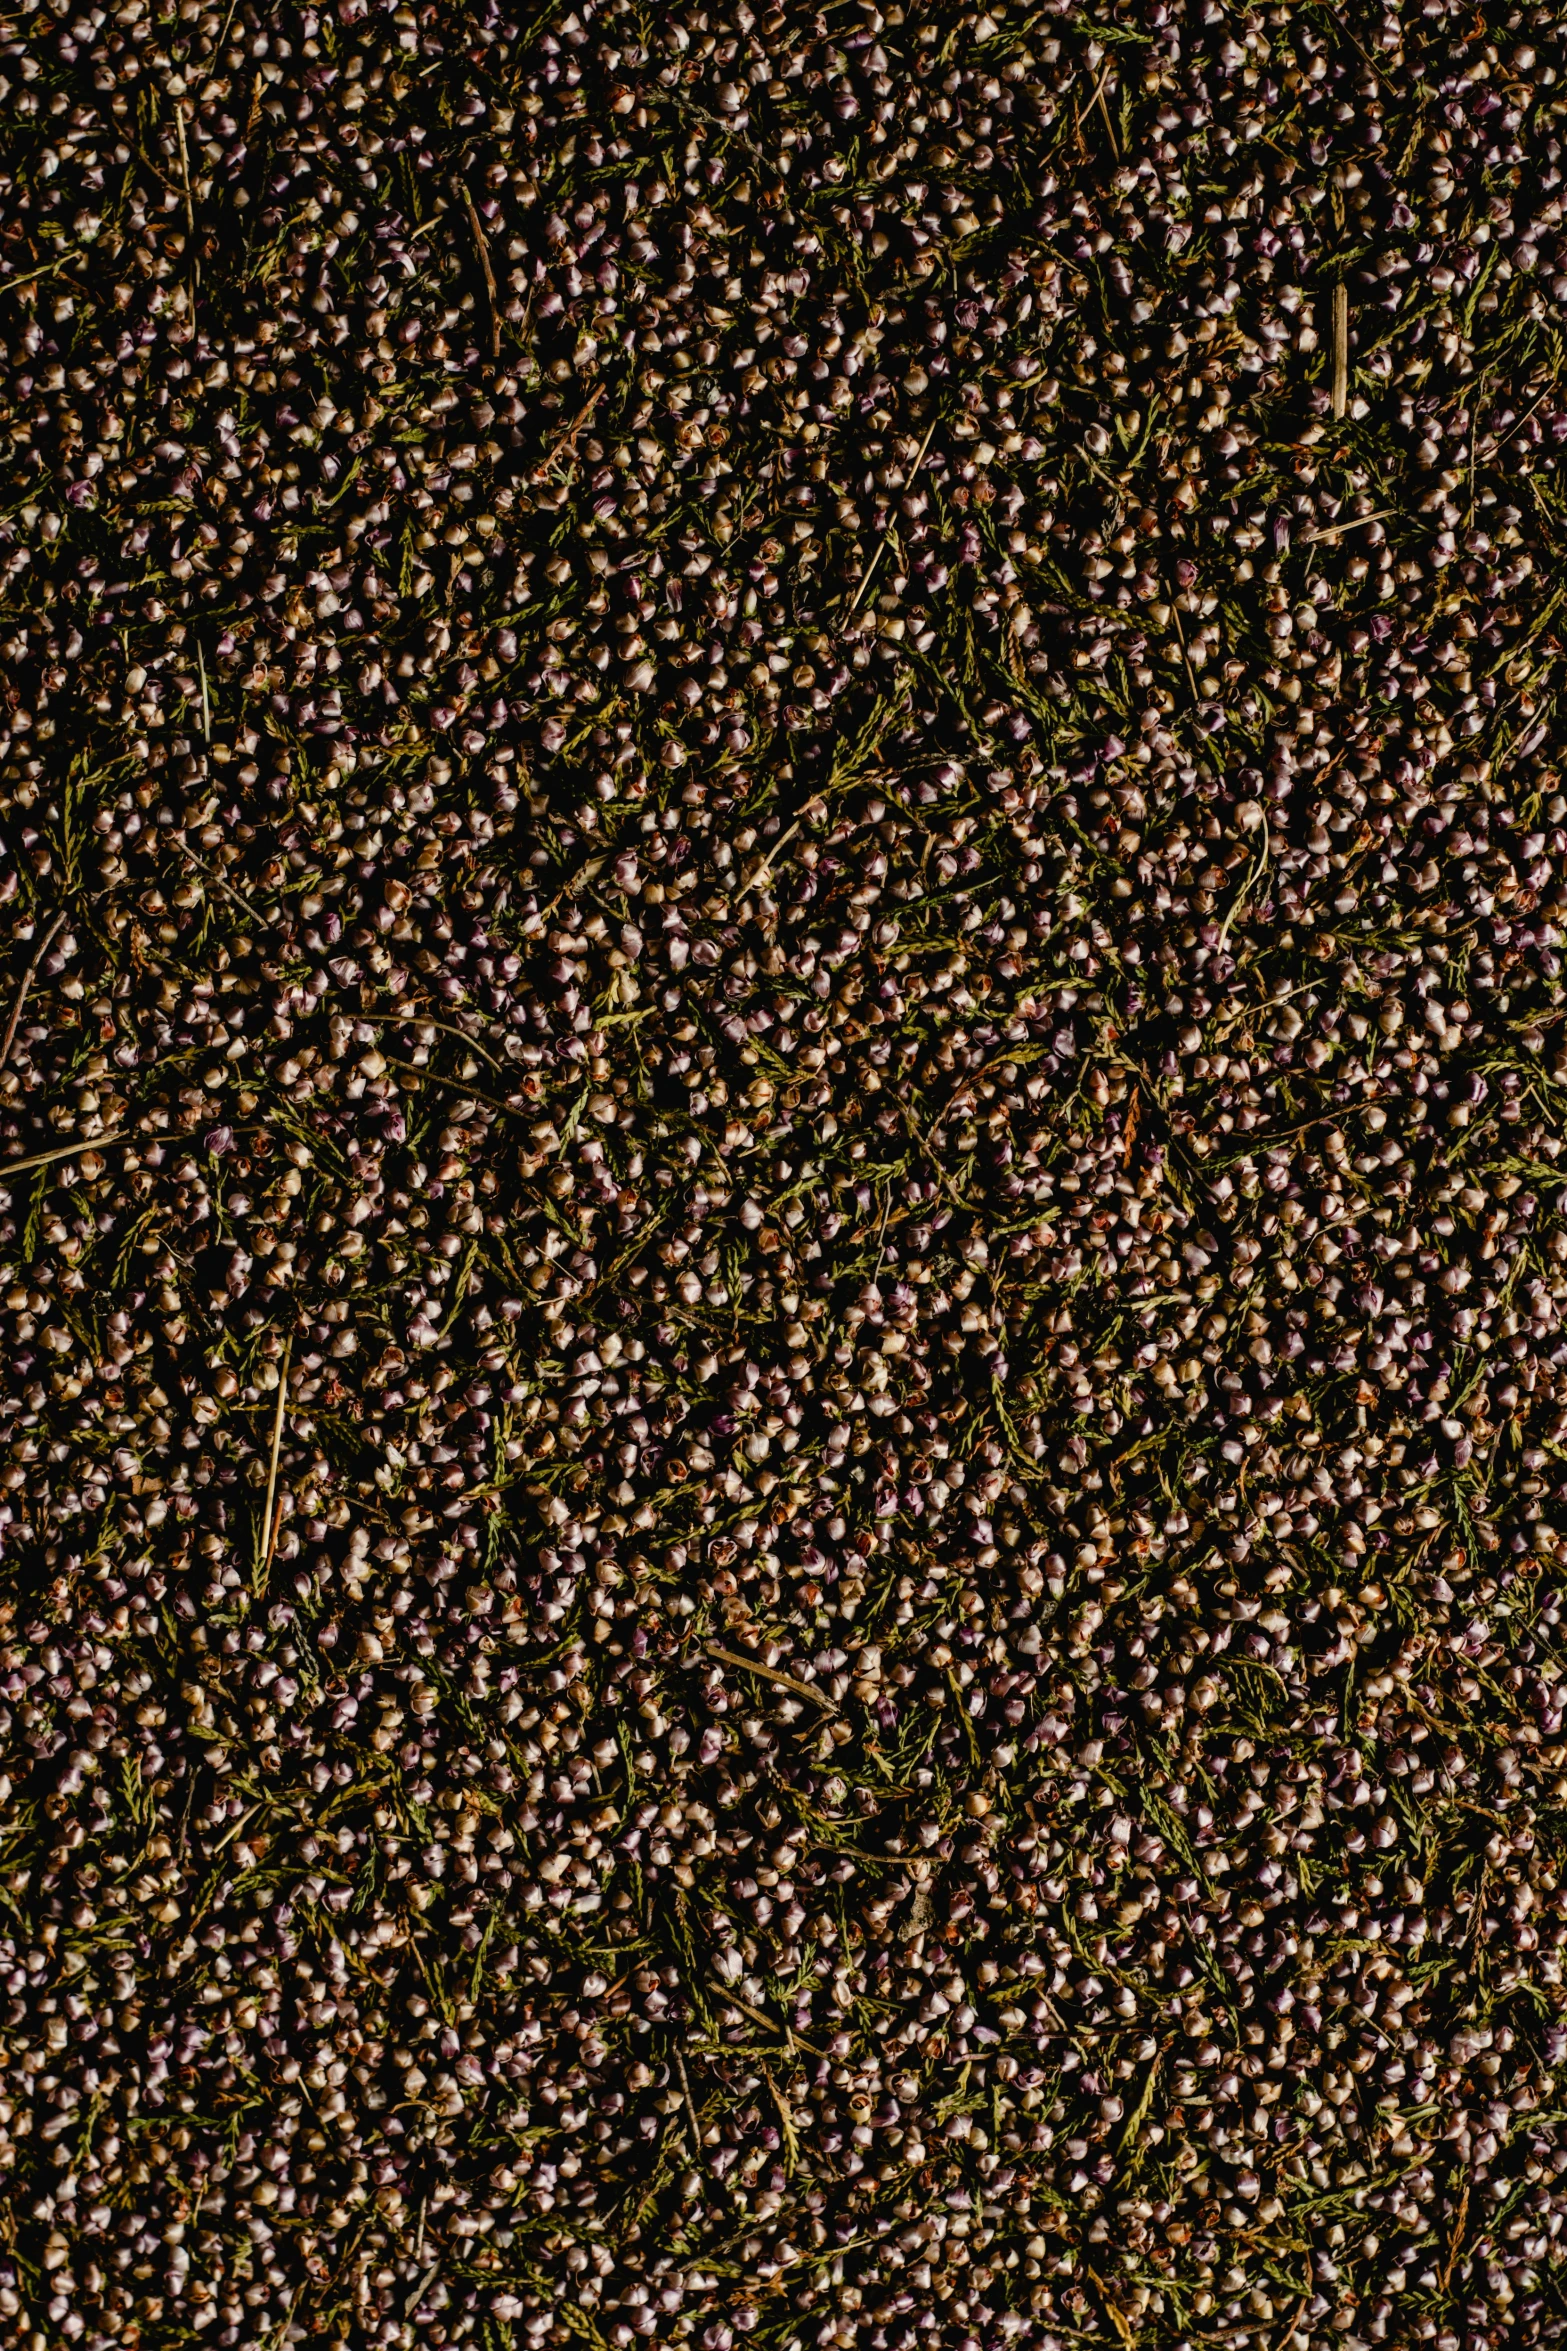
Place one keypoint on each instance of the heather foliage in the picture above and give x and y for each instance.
(780, 868)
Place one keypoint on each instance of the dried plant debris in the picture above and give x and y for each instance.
(781, 881)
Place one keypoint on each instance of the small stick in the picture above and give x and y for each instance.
(926, 1138)
(287, 2320)
(1254, 1142)
(217, 882)
(10, 1167)
(783, 2031)
(28, 977)
(1186, 659)
(1263, 854)
(234, 1827)
(696, 2127)
(1095, 98)
(1336, 530)
(270, 1521)
(1340, 348)
(45, 269)
(766, 1673)
(424, 228)
(206, 704)
(565, 447)
(1455, 2242)
(1104, 108)
(424, 2284)
(190, 209)
(1474, 427)
(578, 881)
(870, 568)
(428, 1020)
(1523, 420)
(461, 1086)
(1290, 2324)
(482, 242)
(1117, 2315)
(762, 874)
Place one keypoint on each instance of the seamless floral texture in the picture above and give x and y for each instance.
(781, 853)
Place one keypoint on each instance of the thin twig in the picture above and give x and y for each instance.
(287, 2320)
(190, 209)
(28, 977)
(482, 243)
(44, 269)
(1522, 421)
(578, 881)
(1186, 659)
(1129, 1129)
(269, 1522)
(767, 1673)
(469, 1093)
(206, 701)
(1340, 348)
(566, 445)
(760, 875)
(926, 1138)
(1474, 429)
(324, 2292)
(218, 883)
(1258, 863)
(423, 227)
(1290, 2324)
(870, 569)
(1104, 109)
(1336, 530)
(235, 1826)
(785, 2123)
(784, 2031)
(1257, 1141)
(421, 2289)
(1117, 2316)
(1455, 2241)
(1095, 97)
(448, 1028)
(11, 1167)
(696, 2126)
